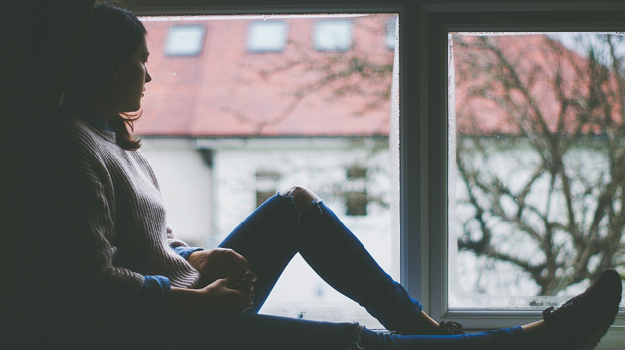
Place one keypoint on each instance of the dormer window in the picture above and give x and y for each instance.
(391, 33)
(356, 194)
(185, 40)
(333, 35)
(267, 36)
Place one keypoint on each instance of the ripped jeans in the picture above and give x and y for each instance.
(270, 237)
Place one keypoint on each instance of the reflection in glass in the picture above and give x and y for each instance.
(537, 162)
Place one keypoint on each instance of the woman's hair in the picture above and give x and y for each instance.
(111, 36)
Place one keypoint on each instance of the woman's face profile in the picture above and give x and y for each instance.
(130, 79)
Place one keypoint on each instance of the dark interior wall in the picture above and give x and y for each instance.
(37, 44)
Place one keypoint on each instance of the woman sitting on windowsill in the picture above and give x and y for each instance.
(125, 281)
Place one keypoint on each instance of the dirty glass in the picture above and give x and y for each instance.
(536, 166)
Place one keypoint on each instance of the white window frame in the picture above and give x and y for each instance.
(487, 18)
(423, 115)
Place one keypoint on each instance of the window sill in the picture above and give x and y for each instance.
(480, 320)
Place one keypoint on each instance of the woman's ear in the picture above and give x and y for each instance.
(116, 69)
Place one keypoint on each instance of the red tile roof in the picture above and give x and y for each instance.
(485, 105)
(223, 92)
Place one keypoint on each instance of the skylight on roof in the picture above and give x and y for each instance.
(185, 40)
(333, 35)
(391, 33)
(267, 36)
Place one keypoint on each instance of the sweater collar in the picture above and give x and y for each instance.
(99, 122)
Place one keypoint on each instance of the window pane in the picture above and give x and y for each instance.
(227, 128)
(184, 40)
(266, 185)
(537, 154)
(267, 36)
(391, 33)
(356, 191)
(333, 35)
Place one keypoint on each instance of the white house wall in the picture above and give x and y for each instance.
(317, 164)
(184, 180)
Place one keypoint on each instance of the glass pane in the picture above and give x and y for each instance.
(333, 35)
(391, 33)
(227, 128)
(184, 40)
(537, 162)
(267, 36)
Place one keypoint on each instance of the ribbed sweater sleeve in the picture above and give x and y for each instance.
(83, 192)
(173, 241)
(186, 251)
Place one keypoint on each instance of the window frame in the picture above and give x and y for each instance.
(508, 19)
(423, 114)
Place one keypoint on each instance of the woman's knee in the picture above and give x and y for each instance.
(301, 196)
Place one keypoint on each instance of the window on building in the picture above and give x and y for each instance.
(356, 191)
(267, 36)
(185, 40)
(266, 185)
(333, 35)
(391, 33)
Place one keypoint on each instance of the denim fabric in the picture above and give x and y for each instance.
(269, 238)
(186, 251)
(509, 339)
(156, 290)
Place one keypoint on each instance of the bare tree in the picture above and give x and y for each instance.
(555, 118)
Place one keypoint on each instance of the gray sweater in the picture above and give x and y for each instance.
(114, 214)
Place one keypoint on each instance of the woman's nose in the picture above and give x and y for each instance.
(148, 77)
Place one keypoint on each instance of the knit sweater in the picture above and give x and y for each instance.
(114, 214)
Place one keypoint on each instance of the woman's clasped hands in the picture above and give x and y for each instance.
(231, 282)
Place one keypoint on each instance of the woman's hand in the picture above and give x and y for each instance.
(220, 263)
(228, 294)
(231, 283)
(224, 294)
